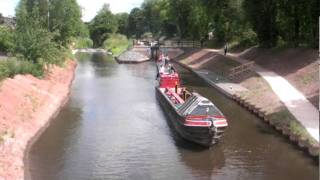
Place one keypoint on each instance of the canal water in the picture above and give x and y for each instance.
(114, 128)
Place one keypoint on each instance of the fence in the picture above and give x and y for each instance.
(182, 43)
(170, 44)
(234, 72)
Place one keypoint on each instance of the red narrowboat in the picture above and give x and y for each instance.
(194, 117)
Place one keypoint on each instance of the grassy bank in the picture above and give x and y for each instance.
(258, 93)
(117, 44)
(12, 66)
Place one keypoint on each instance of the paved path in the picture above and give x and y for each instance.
(293, 99)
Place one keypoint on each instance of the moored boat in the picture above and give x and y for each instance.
(194, 117)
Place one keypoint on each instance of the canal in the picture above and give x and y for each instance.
(114, 128)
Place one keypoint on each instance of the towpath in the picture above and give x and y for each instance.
(293, 99)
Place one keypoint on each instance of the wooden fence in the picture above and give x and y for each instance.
(234, 72)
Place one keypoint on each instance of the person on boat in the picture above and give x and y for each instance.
(162, 70)
(166, 60)
(171, 69)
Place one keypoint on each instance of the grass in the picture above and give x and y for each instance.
(285, 119)
(82, 42)
(117, 44)
(12, 66)
(308, 78)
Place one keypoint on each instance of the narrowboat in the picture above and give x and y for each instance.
(193, 116)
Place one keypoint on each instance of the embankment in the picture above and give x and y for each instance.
(254, 93)
(26, 106)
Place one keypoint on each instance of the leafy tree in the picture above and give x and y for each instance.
(122, 19)
(102, 25)
(65, 20)
(136, 22)
(32, 40)
(181, 12)
(6, 39)
(262, 15)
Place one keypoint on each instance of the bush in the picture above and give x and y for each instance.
(117, 43)
(33, 40)
(82, 42)
(248, 38)
(12, 66)
(6, 39)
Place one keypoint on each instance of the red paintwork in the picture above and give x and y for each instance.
(220, 121)
(174, 97)
(197, 123)
(169, 80)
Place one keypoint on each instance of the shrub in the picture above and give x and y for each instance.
(6, 39)
(248, 38)
(12, 66)
(33, 40)
(82, 42)
(117, 43)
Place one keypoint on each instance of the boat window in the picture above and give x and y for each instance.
(203, 110)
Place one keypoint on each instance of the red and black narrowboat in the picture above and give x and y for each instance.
(194, 117)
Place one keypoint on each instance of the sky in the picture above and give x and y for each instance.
(89, 7)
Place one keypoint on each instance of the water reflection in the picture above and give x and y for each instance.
(114, 128)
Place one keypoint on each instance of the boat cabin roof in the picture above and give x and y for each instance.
(198, 105)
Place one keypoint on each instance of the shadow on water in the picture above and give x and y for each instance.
(178, 140)
(114, 128)
(41, 166)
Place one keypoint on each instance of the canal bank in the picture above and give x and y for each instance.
(251, 91)
(114, 124)
(27, 105)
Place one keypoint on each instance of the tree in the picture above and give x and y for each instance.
(262, 15)
(136, 22)
(65, 20)
(32, 40)
(102, 25)
(6, 39)
(122, 19)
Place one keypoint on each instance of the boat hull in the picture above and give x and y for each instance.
(200, 135)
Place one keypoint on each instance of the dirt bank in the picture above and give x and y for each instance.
(26, 106)
(297, 65)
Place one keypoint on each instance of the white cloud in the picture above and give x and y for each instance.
(90, 7)
(7, 7)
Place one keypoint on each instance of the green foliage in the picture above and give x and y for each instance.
(117, 43)
(6, 39)
(147, 35)
(262, 16)
(122, 19)
(103, 24)
(136, 22)
(247, 22)
(12, 66)
(82, 42)
(65, 20)
(32, 40)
